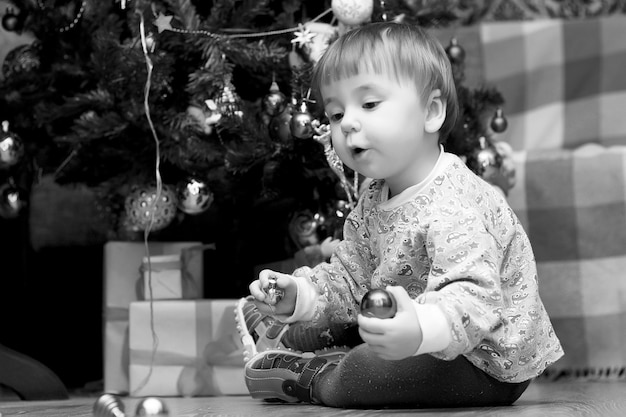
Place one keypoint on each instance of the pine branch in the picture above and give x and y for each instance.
(186, 12)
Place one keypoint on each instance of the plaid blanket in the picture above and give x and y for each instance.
(573, 206)
(563, 81)
(564, 85)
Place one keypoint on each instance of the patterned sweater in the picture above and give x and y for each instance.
(455, 245)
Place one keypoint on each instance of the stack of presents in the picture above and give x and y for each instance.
(161, 337)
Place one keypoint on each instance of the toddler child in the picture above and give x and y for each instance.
(470, 327)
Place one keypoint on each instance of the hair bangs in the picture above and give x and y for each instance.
(369, 52)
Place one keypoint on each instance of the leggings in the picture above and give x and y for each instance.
(364, 380)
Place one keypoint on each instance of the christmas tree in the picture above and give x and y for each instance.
(175, 110)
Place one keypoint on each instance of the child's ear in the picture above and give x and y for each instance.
(435, 112)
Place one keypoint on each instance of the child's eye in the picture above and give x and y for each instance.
(335, 117)
(370, 104)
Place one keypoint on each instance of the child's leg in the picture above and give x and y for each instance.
(362, 379)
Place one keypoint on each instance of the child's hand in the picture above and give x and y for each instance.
(398, 337)
(286, 304)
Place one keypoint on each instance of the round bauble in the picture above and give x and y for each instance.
(153, 407)
(485, 160)
(12, 22)
(304, 226)
(12, 201)
(11, 147)
(142, 207)
(456, 54)
(378, 303)
(352, 12)
(498, 122)
(300, 123)
(279, 128)
(275, 101)
(24, 58)
(194, 196)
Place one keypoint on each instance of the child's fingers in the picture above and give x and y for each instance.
(282, 280)
(371, 325)
(256, 290)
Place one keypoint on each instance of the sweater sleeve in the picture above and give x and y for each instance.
(332, 291)
(464, 280)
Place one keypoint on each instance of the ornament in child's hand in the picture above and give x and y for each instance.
(378, 303)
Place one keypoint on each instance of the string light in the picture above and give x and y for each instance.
(74, 22)
(163, 23)
(157, 198)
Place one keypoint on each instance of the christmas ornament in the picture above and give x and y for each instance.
(352, 12)
(303, 36)
(194, 196)
(336, 217)
(205, 118)
(275, 101)
(300, 123)
(11, 21)
(274, 293)
(12, 201)
(279, 128)
(498, 122)
(378, 303)
(24, 58)
(456, 54)
(152, 407)
(303, 228)
(163, 22)
(142, 207)
(485, 160)
(108, 405)
(11, 147)
(228, 103)
(324, 32)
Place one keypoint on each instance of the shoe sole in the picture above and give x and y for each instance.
(267, 384)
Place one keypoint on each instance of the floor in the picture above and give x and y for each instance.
(566, 399)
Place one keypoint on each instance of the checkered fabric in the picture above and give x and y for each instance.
(564, 82)
(573, 206)
(564, 85)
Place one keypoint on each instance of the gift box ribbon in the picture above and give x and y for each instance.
(191, 289)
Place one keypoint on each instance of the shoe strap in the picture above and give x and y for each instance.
(275, 330)
(305, 380)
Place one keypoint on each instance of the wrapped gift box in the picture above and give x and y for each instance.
(162, 277)
(123, 283)
(185, 348)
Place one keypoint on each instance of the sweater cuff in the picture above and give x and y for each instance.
(306, 296)
(435, 328)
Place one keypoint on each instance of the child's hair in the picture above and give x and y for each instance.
(403, 51)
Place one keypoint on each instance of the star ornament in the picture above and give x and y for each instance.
(163, 22)
(303, 36)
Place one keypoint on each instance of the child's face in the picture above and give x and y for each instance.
(378, 129)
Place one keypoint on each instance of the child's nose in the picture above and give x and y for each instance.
(350, 123)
